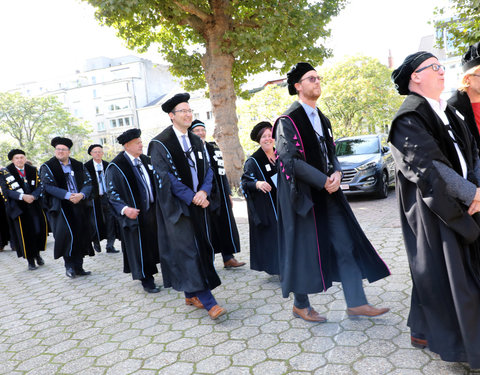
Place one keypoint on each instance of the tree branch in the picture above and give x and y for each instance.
(189, 8)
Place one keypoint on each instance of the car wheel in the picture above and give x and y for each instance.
(382, 189)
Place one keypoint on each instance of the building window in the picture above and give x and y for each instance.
(100, 126)
(120, 122)
(103, 141)
(97, 110)
(209, 115)
(113, 123)
(127, 121)
(94, 93)
(94, 79)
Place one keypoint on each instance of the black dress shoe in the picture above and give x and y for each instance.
(39, 260)
(97, 247)
(112, 250)
(70, 273)
(155, 289)
(32, 267)
(82, 272)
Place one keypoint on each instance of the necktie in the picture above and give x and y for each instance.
(191, 163)
(101, 181)
(72, 188)
(317, 126)
(138, 164)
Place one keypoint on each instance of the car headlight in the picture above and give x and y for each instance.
(370, 164)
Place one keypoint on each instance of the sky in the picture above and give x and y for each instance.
(42, 39)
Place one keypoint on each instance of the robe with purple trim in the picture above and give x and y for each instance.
(307, 259)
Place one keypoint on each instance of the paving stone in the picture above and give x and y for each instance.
(283, 351)
(373, 365)
(270, 368)
(307, 362)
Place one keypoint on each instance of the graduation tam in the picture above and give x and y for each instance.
(401, 75)
(128, 135)
(91, 147)
(171, 103)
(62, 141)
(257, 130)
(294, 75)
(471, 58)
(196, 123)
(14, 152)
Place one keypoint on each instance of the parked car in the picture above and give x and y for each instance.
(367, 164)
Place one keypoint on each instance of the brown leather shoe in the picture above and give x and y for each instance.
(366, 310)
(233, 263)
(216, 311)
(308, 314)
(194, 301)
(418, 342)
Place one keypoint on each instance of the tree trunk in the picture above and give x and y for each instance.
(218, 73)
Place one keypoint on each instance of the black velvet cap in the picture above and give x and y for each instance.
(196, 123)
(91, 147)
(256, 132)
(14, 152)
(401, 75)
(128, 135)
(294, 75)
(171, 103)
(471, 58)
(61, 141)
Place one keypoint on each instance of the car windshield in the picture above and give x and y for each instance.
(358, 146)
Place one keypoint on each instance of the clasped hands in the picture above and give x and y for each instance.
(76, 197)
(200, 199)
(333, 182)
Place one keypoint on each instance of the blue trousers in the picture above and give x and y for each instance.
(205, 296)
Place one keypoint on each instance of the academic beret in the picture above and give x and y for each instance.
(61, 141)
(91, 147)
(256, 132)
(294, 75)
(471, 58)
(196, 123)
(128, 135)
(401, 75)
(14, 152)
(171, 103)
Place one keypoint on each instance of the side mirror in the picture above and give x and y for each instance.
(385, 149)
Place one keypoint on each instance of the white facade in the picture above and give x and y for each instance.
(108, 94)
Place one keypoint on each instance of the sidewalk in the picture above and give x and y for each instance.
(106, 324)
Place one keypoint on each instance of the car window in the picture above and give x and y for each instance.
(357, 146)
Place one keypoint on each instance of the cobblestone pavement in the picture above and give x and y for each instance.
(106, 324)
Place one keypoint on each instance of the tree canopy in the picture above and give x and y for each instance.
(220, 43)
(31, 122)
(464, 27)
(358, 96)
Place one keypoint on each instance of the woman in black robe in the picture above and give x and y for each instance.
(259, 188)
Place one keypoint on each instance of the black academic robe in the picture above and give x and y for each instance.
(460, 101)
(186, 253)
(72, 224)
(4, 229)
(100, 218)
(307, 260)
(139, 236)
(29, 222)
(225, 238)
(441, 238)
(262, 213)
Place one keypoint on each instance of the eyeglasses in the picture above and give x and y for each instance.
(435, 68)
(475, 75)
(184, 111)
(312, 79)
(61, 149)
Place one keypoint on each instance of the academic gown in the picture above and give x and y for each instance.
(225, 238)
(72, 224)
(460, 101)
(4, 229)
(100, 219)
(262, 213)
(186, 252)
(29, 222)
(139, 239)
(441, 238)
(307, 259)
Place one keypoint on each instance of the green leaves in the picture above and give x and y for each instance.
(31, 123)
